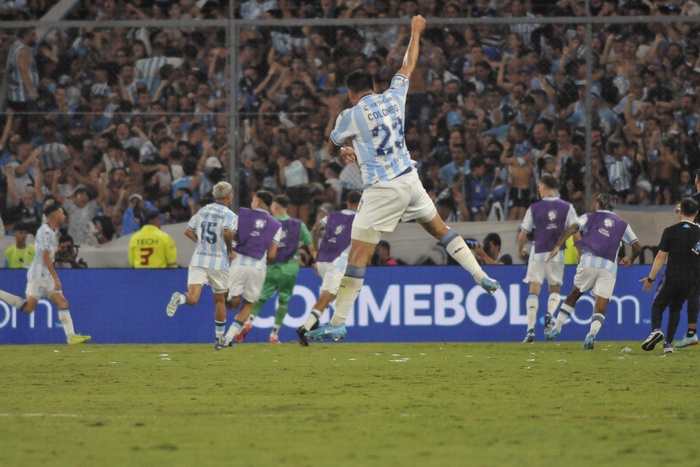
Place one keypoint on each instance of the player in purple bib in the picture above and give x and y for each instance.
(282, 274)
(257, 238)
(548, 217)
(332, 258)
(597, 267)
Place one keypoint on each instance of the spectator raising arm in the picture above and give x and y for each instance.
(92, 184)
(7, 132)
(54, 187)
(11, 187)
(500, 80)
(28, 162)
(38, 180)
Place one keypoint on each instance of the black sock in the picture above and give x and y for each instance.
(690, 333)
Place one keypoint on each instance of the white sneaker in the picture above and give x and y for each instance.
(174, 303)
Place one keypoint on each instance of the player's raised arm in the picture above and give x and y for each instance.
(410, 59)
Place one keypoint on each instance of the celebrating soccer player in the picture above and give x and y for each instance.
(393, 192)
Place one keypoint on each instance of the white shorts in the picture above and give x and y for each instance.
(601, 280)
(218, 280)
(538, 271)
(246, 282)
(39, 288)
(331, 275)
(384, 204)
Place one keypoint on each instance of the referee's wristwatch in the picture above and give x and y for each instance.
(650, 280)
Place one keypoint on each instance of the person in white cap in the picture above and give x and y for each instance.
(643, 190)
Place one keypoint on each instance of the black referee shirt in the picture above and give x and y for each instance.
(682, 264)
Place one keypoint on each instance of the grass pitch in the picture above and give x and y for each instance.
(348, 404)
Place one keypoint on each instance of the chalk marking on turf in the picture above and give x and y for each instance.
(74, 415)
(67, 415)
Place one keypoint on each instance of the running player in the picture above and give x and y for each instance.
(42, 278)
(212, 229)
(548, 217)
(597, 268)
(257, 239)
(331, 260)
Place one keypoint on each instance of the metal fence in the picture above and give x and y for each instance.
(216, 75)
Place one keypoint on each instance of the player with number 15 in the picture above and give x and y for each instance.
(212, 228)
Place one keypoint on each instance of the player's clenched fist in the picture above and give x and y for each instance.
(418, 24)
(347, 155)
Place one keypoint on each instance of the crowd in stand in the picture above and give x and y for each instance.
(114, 122)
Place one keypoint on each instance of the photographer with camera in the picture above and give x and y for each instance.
(67, 255)
(382, 255)
(488, 252)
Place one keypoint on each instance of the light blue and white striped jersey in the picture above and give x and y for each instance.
(209, 224)
(17, 90)
(376, 127)
(590, 260)
(206, 117)
(46, 240)
(53, 155)
(147, 69)
(524, 29)
(148, 152)
(205, 185)
(255, 9)
(619, 172)
(243, 260)
(101, 89)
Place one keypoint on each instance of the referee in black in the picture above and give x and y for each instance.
(678, 248)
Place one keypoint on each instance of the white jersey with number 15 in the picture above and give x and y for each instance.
(209, 224)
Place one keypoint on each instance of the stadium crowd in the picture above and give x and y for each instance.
(116, 122)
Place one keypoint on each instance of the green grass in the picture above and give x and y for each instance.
(347, 404)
